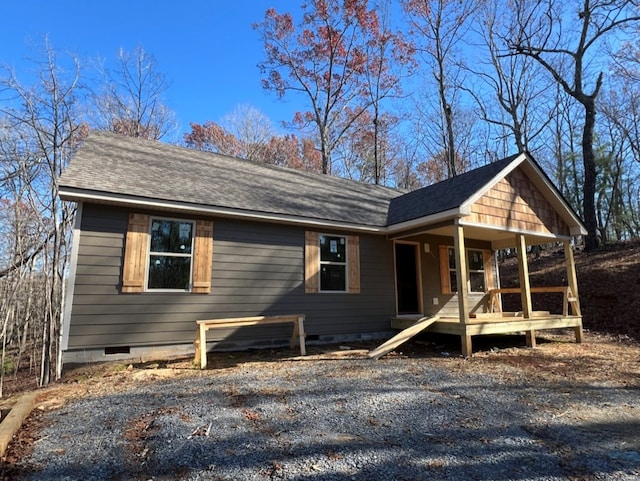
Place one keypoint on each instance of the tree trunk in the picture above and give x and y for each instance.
(589, 165)
(451, 149)
(376, 153)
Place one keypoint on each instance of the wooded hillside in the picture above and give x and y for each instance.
(608, 280)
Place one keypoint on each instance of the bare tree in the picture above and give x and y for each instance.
(565, 154)
(251, 128)
(390, 58)
(621, 105)
(42, 122)
(439, 26)
(130, 101)
(621, 131)
(517, 94)
(368, 151)
(565, 42)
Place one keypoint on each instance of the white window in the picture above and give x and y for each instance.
(333, 263)
(170, 254)
(475, 267)
(475, 270)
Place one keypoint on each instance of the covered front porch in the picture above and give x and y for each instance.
(466, 313)
(507, 208)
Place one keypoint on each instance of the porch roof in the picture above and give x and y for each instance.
(445, 196)
(435, 209)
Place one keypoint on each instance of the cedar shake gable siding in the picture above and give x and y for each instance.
(517, 204)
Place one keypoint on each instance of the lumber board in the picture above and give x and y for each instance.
(402, 337)
(505, 325)
(248, 321)
(10, 425)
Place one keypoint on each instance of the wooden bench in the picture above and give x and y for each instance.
(233, 323)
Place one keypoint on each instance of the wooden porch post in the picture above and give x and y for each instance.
(572, 279)
(525, 286)
(461, 276)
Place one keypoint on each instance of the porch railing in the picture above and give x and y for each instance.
(568, 299)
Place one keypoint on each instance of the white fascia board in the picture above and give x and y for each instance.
(79, 195)
(425, 221)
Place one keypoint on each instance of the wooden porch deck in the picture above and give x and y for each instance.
(497, 323)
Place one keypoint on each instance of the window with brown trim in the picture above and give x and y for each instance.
(167, 254)
(332, 263)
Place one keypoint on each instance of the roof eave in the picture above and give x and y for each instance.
(81, 195)
(577, 230)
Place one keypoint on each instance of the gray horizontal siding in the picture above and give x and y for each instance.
(258, 269)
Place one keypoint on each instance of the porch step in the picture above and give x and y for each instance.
(403, 336)
(401, 323)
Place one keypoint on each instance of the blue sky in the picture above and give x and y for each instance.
(207, 49)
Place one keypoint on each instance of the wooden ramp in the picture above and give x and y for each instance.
(403, 336)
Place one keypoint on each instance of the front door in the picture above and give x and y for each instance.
(407, 278)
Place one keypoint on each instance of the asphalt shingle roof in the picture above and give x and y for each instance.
(141, 170)
(110, 163)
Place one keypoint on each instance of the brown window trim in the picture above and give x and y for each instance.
(136, 255)
(312, 263)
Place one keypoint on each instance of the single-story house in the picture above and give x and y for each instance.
(166, 235)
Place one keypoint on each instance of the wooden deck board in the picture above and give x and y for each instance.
(497, 324)
(406, 334)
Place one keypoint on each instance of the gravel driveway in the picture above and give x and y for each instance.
(341, 416)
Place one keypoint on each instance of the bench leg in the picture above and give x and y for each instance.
(301, 334)
(294, 336)
(298, 333)
(196, 345)
(203, 347)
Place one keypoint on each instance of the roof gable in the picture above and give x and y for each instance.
(515, 203)
(444, 196)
